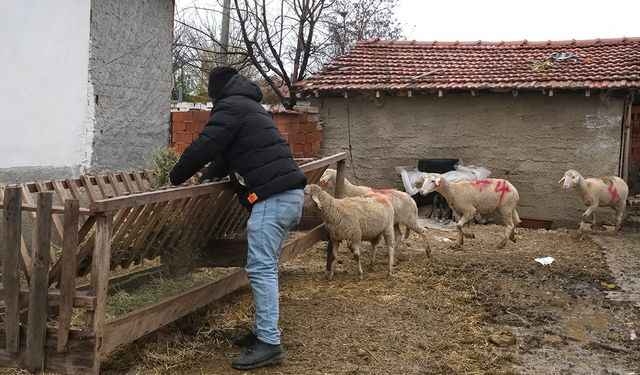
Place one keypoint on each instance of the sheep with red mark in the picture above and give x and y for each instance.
(467, 198)
(404, 207)
(608, 191)
(353, 220)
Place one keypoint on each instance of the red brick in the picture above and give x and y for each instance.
(298, 154)
(289, 128)
(296, 138)
(307, 127)
(315, 148)
(303, 117)
(182, 116)
(201, 116)
(182, 137)
(314, 137)
(180, 147)
(178, 126)
(298, 148)
(195, 127)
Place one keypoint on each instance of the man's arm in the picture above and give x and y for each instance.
(214, 139)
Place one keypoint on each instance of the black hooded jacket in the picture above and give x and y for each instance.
(241, 138)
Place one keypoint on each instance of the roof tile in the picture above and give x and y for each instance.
(401, 65)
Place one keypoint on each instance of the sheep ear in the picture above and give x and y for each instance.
(438, 181)
(562, 179)
(315, 199)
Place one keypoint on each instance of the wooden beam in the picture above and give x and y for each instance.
(100, 263)
(551, 92)
(81, 300)
(409, 93)
(54, 209)
(440, 94)
(78, 360)
(112, 204)
(10, 246)
(68, 275)
(138, 323)
(323, 162)
(587, 93)
(39, 285)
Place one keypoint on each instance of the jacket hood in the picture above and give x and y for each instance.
(240, 85)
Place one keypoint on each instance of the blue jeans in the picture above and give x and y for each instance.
(267, 229)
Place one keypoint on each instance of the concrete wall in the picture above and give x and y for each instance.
(45, 119)
(530, 139)
(130, 68)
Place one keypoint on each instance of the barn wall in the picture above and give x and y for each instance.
(530, 139)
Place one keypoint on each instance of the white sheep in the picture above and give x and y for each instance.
(404, 207)
(467, 198)
(353, 220)
(598, 192)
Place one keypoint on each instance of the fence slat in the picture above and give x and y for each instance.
(68, 275)
(37, 317)
(10, 245)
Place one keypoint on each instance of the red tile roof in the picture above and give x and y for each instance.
(402, 65)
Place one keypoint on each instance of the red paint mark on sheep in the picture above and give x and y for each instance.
(378, 198)
(481, 184)
(502, 188)
(613, 191)
(384, 191)
(322, 183)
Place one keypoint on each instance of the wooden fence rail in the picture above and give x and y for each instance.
(89, 227)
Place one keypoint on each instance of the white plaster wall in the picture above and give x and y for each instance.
(45, 118)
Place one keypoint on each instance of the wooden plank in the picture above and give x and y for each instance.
(32, 208)
(37, 316)
(25, 259)
(54, 274)
(326, 161)
(10, 245)
(113, 181)
(137, 177)
(77, 361)
(81, 300)
(68, 274)
(149, 248)
(100, 282)
(102, 187)
(56, 220)
(88, 189)
(138, 323)
(296, 247)
(127, 182)
(113, 204)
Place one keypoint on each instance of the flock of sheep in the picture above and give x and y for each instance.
(370, 215)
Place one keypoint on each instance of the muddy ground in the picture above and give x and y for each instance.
(473, 311)
(478, 310)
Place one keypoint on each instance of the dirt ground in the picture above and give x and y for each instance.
(478, 310)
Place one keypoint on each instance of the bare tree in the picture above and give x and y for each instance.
(286, 40)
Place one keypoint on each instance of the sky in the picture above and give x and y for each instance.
(534, 20)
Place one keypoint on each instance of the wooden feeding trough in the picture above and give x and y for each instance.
(84, 229)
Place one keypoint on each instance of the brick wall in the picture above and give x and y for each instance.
(297, 129)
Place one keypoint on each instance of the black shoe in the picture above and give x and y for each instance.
(259, 355)
(247, 340)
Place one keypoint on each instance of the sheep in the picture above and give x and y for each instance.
(608, 191)
(353, 220)
(467, 198)
(405, 208)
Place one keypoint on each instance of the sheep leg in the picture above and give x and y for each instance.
(422, 232)
(397, 234)
(374, 244)
(389, 241)
(618, 218)
(356, 255)
(585, 217)
(332, 266)
(509, 229)
(463, 220)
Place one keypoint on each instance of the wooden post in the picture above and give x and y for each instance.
(100, 282)
(10, 245)
(68, 275)
(37, 316)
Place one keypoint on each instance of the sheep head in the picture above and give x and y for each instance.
(431, 182)
(570, 178)
(313, 191)
(328, 179)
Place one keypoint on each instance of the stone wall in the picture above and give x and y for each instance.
(530, 139)
(130, 68)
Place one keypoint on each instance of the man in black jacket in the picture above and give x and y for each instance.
(243, 142)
